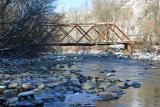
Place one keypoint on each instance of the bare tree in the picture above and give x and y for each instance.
(106, 11)
(150, 24)
(22, 27)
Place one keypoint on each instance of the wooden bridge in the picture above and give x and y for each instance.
(90, 34)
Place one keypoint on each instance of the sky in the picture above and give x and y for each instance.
(65, 5)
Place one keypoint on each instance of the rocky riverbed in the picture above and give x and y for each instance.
(52, 80)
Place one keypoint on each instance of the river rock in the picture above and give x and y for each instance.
(27, 86)
(13, 85)
(110, 74)
(10, 93)
(127, 84)
(48, 98)
(40, 86)
(114, 80)
(154, 67)
(43, 68)
(112, 71)
(38, 103)
(108, 95)
(88, 86)
(26, 96)
(2, 89)
(115, 89)
(104, 86)
(136, 84)
(3, 102)
(12, 101)
(61, 97)
(24, 104)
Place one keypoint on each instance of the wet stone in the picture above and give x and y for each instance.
(41, 86)
(38, 103)
(3, 101)
(61, 97)
(12, 85)
(88, 86)
(24, 104)
(27, 86)
(104, 86)
(2, 89)
(110, 74)
(10, 93)
(48, 98)
(26, 96)
(108, 95)
(12, 101)
(115, 89)
(135, 84)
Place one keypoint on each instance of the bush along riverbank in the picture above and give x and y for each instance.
(48, 80)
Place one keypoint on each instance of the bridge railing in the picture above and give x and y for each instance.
(87, 33)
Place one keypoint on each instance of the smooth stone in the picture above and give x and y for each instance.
(12, 101)
(61, 97)
(104, 86)
(102, 72)
(3, 101)
(26, 96)
(154, 67)
(41, 86)
(116, 89)
(127, 84)
(2, 89)
(43, 68)
(13, 85)
(38, 103)
(136, 84)
(105, 96)
(27, 86)
(10, 93)
(48, 98)
(114, 79)
(112, 71)
(51, 85)
(87, 86)
(110, 74)
(24, 104)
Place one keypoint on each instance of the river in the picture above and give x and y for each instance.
(49, 68)
(127, 69)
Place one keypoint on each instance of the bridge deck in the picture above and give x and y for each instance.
(86, 44)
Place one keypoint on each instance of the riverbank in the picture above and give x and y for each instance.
(117, 50)
(52, 79)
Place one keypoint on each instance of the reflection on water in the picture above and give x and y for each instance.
(146, 96)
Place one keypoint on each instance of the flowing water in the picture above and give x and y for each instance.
(127, 69)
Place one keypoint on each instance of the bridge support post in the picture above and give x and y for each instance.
(129, 48)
